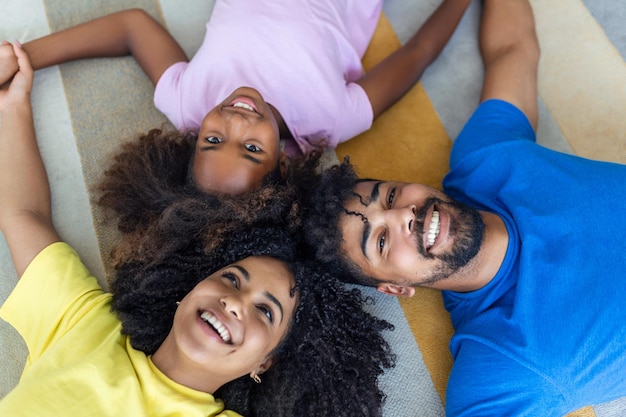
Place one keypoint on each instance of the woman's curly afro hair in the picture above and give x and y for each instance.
(327, 364)
(173, 236)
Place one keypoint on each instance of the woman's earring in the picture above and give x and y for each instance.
(177, 303)
(255, 378)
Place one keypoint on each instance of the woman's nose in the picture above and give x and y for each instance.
(233, 305)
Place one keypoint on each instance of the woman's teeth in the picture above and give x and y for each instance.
(433, 229)
(215, 323)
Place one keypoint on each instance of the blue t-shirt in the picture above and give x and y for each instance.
(548, 334)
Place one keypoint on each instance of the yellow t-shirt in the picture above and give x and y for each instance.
(79, 364)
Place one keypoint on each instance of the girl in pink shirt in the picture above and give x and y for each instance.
(286, 69)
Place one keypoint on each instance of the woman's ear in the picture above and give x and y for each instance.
(267, 364)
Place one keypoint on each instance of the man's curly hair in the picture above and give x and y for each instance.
(322, 207)
(327, 364)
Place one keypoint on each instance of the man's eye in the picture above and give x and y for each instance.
(267, 312)
(213, 139)
(381, 243)
(391, 197)
(252, 148)
(232, 278)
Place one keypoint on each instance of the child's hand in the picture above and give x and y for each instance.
(8, 63)
(18, 90)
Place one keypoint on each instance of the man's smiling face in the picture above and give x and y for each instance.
(409, 234)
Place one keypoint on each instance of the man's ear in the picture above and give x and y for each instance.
(397, 290)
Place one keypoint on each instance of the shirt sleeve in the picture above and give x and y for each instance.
(54, 293)
(494, 121)
(167, 97)
(228, 413)
(355, 115)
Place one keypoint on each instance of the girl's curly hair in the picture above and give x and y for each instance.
(158, 208)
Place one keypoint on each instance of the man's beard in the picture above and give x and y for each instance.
(466, 227)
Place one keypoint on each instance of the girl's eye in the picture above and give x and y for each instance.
(213, 139)
(232, 278)
(391, 197)
(267, 313)
(252, 148)
(381, 243)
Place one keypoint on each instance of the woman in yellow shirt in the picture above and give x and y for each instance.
(195, 320)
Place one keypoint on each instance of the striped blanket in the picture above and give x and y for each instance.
(84, 110)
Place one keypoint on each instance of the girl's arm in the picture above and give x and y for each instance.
(25, 209)
(129, 32)
(388, 81)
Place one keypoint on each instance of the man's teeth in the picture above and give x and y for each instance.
(244, 106)
(433, 229)
(219, 328)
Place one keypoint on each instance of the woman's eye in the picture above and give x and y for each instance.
(381, 243)
(252, 148)
(232, 278)
(213, 139)
(391, 197)
(267, 312)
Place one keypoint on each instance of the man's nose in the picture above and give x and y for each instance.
(402, 218)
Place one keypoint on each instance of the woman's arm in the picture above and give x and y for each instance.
(25, 209)
(129, 32)
(8, 63)
(388, 81)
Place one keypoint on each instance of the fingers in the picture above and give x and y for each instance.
(8, 64)
(22, 59)
(23, 79)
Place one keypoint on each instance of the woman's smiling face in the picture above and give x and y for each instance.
(231, 322)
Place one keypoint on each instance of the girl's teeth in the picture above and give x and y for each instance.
(244, 106)
(433, 229)
(221, 330)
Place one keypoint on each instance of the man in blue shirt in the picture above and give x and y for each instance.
(527, 244)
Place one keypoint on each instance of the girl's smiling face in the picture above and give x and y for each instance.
(238, 144)
(229, 324)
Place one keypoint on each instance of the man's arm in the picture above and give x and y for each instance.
(25, 209)
(129, 32)
(510, 52)
(388, 81)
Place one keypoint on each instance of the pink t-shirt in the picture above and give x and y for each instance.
(301, 55)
